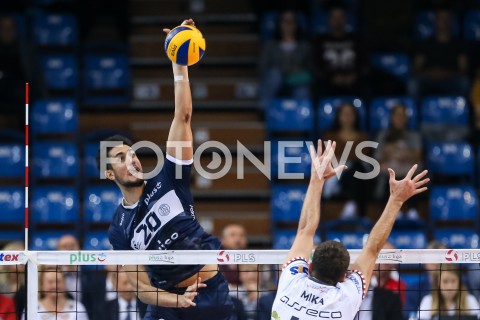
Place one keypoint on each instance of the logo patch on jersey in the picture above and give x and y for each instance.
(355, 281)
(163, 210)
(152, 193)
(298, 269)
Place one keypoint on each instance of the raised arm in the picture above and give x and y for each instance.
(400, 191)
(310, 217)
(180, 135)
(138, 278)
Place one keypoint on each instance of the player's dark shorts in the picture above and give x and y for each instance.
(213, 302)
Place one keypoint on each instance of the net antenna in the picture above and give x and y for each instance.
(26, 166)
(32, 267)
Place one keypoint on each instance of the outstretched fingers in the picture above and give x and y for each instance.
(392, 174)
(421, 182)
(420, 176)
(420, 190)
(411, 172)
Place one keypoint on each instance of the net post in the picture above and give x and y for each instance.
(32, 288)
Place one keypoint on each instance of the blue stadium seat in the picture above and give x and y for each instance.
(445, 110)
(397, 64)
(295, 149)
(55, 204)
(100, 203)
(283, 239)
(287, 201)
(54, 116)
(453, 203)
(55, 30)
(55, 160)
(11, 235)
(380, 109)
(320, 24)
(444, 118)
(472, 26)
(451, 159)
(327, 108)
(106, 73)
(425, 25)
(350, 239)
(290, 115)
(411, 279)
(12, 202)
(97, 240)
(90, 169)
(458, 238)
(60, 71)
(45, 240)
(12, 160)
(408, 239)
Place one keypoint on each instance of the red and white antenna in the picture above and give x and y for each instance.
(26, 166)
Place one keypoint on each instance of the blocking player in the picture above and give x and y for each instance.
(325, 288)
(158, 214)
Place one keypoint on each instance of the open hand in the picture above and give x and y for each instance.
(322, 168)
(408, 187)
(186, 300)
(185, 22)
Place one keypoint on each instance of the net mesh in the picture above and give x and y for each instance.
(413, 284)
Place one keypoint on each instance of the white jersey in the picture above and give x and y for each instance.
(302, 297)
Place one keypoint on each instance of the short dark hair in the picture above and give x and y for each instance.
(117, 137)
(330, 262)
(336, 126)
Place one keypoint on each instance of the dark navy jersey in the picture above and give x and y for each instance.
(163, 219)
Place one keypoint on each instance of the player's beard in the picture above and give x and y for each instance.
(130, 184)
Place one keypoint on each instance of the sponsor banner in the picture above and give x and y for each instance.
(464, 256)
(394, 256)
(189, 257)
(12, 257)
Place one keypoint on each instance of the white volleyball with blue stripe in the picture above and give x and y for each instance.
(185, 45)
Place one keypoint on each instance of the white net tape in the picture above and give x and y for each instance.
(413, 258)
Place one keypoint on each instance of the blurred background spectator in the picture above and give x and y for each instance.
(399, 148)
(346, 132)
(340, 58)
(449, 295)
(418, 289)
(440, 63)
(83, 285)
(250, 289)
(12, 279)
(54, 298)
(126, 306)
(233, 237)
(286, 62)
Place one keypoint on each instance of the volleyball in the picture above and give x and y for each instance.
(185, 45)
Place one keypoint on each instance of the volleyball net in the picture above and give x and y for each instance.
(83, 284)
